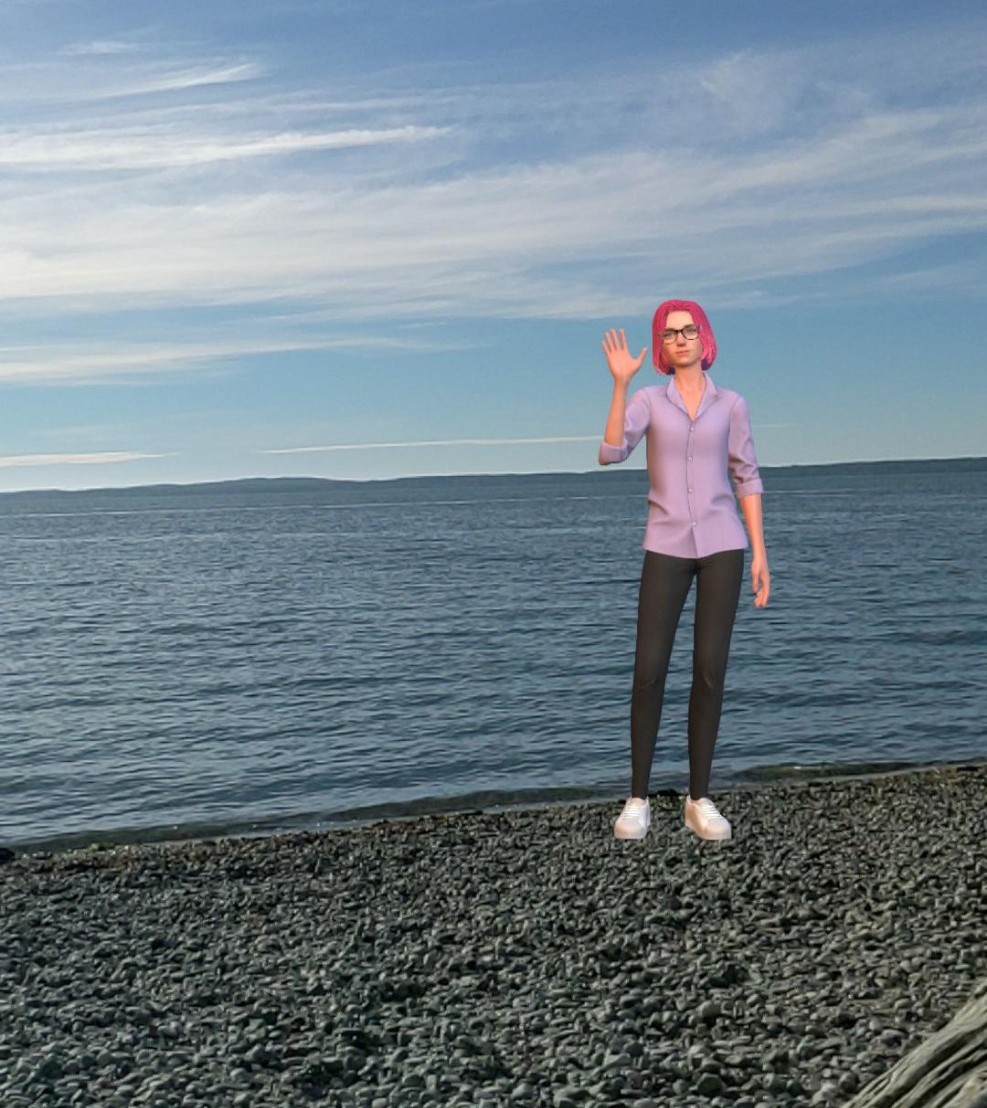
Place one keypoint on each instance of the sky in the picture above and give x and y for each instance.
(368, 239)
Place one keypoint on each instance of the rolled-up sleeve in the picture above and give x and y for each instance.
(637, 416)
(743, 461)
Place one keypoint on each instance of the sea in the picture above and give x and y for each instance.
(270, 655)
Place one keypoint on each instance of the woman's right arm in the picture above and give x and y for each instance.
(614, 433)
(622, 365)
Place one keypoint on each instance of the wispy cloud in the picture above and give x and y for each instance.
(55, 365)
(110, 457)
(89, 81)
(156, 148)
(99, 48)
(181, 80)
(777, 173)
(549, 441)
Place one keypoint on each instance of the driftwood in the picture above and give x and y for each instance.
(948, 1070)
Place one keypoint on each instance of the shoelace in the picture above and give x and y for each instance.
(634, 807)
(708, 809)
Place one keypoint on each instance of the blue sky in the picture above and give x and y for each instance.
(367, 239)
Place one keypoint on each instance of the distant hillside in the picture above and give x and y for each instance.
(924, 465)
(248, 486)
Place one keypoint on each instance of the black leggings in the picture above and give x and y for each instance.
(665, 584)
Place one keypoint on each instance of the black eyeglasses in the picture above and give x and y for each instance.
(689, 331)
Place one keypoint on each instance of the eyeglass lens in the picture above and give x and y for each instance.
(690, 331)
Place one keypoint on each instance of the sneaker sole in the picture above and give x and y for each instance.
(710, 837)
(630, 836)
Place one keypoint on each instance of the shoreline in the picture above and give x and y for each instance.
(520, 957)
(758, 777)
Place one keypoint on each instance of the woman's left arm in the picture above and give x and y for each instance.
(750, 505)
(747, 479)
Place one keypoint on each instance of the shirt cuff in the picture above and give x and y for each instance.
(610, 454)
(748, 488)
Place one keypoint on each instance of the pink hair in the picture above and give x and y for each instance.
(706, 337)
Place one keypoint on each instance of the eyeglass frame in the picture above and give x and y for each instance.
(670, 334)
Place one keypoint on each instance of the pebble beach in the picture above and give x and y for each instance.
(519, 957)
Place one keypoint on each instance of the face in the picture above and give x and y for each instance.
(680, 351)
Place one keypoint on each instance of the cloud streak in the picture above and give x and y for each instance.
(100, 151)
(109, 457)
(390, 213)
(84, 81)
(54, 365)
(99, 48)
(549, 441)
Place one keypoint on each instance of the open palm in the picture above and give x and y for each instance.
(623, 365)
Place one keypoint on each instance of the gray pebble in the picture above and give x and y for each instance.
(501, 958)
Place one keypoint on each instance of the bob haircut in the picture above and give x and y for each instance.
(706, 337)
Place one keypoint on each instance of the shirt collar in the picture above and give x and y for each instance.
(709, 395)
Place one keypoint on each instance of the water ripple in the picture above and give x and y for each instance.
(242, 660)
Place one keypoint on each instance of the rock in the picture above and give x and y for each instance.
(947, 1070)
(567, 1097)
(828, 1093)
(154, 969)
(709, 1085)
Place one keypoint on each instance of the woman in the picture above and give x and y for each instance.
(698, 436)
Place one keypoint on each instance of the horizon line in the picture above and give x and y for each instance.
(312, 478)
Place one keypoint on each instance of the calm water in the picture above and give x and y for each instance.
(245, 658)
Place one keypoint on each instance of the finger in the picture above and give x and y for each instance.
(623, 339)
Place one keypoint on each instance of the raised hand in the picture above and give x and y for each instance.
(622, 364)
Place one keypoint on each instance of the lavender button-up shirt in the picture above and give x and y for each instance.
(692, 511)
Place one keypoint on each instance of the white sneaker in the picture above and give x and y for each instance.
(704, 818)
(634, 821)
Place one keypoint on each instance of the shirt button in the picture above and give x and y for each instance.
(690, 457)
(693, 523)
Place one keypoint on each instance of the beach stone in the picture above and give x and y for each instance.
(568, 1097)
(947, 1070)
(849, 1082)
(709, 1084)
(827, 1093)
(99, 952)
